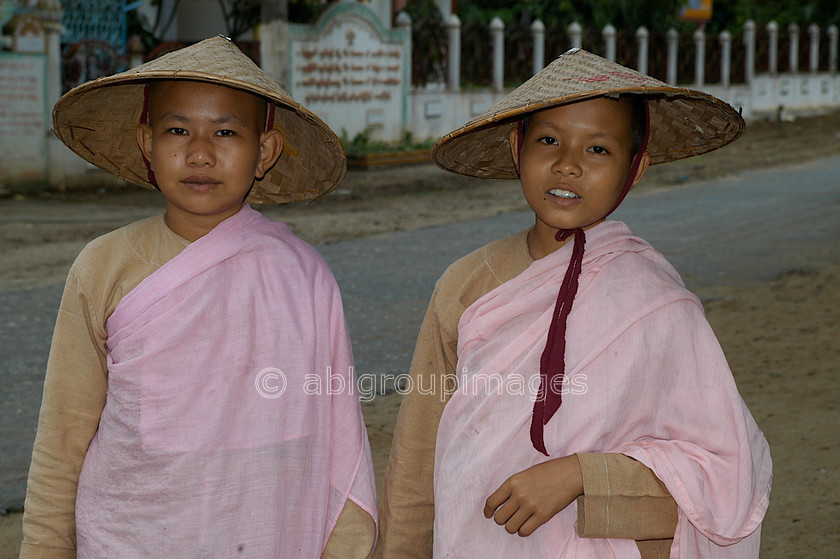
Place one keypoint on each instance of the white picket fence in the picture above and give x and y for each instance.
(438, 108)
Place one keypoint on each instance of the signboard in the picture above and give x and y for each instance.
(351, 71)
(698, 11)
(23, 117)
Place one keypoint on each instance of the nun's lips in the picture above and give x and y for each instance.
(563, 193)
(200, 182)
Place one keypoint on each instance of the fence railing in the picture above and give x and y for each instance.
(499, 56)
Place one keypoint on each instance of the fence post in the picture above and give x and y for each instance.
(725, 57)
(575, 35)
(749, 44)
(814, 54)
(453, 66)
(699, 56)
(608, 33)
(50, 15)
(538, 34)
(793, 55)
(404, 24)
(832, 48)
(773, 47)
(497, 32)
(642, 41)
(673, 44)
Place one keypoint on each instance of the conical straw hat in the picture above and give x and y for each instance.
(683, 122)
(98, 120)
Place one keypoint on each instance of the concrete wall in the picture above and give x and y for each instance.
(434, 110)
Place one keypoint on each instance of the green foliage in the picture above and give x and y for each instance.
(306, 11)
(589, 13)
(656, 15)
(732, 15)
(240, 16)
(362, 143)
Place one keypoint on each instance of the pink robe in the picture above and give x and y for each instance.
(645, 377)
(232, 426)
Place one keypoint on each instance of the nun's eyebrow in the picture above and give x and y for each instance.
(223, 119)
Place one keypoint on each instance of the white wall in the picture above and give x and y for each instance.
(790, 94)
(433, 111)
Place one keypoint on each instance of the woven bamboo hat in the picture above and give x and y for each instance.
(683, 122)
(98, 120)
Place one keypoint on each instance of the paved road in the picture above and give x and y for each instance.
(755, 226)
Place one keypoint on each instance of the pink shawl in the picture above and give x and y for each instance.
(232, 426)
(645, 378)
